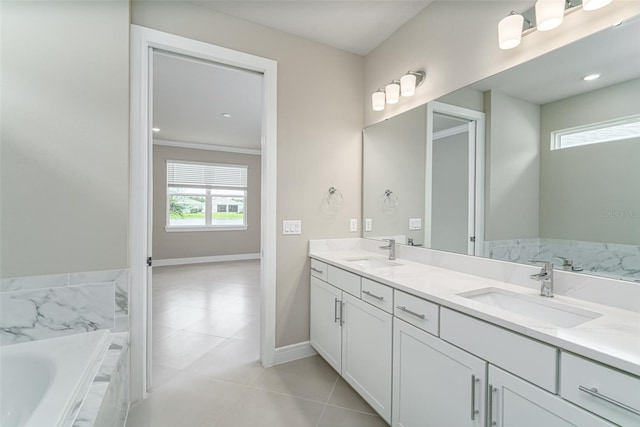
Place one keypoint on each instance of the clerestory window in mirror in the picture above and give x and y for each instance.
(594, 133)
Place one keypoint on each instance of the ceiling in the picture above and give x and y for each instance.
(357, 26)
(190, 96)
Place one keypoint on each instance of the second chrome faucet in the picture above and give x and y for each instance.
(391, 247)
(545, 277)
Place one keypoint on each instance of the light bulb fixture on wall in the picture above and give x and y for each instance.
(405, 86)
(546, 15)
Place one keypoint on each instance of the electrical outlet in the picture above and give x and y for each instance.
(368, 224)
(291, 227)
(415, 223)
(353, 225)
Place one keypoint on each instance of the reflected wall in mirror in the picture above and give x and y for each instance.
(562, 162)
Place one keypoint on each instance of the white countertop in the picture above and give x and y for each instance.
(612, 339)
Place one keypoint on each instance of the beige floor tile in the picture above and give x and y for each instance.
(311, 378)
(187, 400)
(340, 417)
(346, 397)
(251, 332)
(161, 375)
(235, 360)
(259, 408)
(178, 317)
(161, 332)
(221, 324)
(183, 348)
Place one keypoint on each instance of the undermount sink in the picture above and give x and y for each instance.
(535, 307)
(372, 262)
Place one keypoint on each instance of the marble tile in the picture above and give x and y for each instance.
(88, 277)
(122, 294)
(121, 324)
(46, 313)
(34, 282)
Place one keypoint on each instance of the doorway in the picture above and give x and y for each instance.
(454, 200)
(144, 41)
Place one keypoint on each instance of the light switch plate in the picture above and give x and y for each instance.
(368, 224)
(291, 227)
(353, 225)
(415, 223)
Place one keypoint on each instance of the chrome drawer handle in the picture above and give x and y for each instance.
(336, 317)
(594, 392)
(317, 271)
(474, 411)
(492, 390)
(413, 313)
(373, 295)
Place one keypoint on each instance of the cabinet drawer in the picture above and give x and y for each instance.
(344, 280)
(611, 394)
(377, 294)
(319, 269)
(529, 359)
(420, 313)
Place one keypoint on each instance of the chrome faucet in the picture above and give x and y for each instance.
(392, 248)
(567, 264)
(545, 277)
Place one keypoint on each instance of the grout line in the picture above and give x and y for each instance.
(328, 399)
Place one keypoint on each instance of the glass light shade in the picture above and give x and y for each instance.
(549, 14)
(510, 31)
(377, 100)
(594, 4)
(408, 85)
(392, 90)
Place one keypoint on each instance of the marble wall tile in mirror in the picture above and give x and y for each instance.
(580, 203)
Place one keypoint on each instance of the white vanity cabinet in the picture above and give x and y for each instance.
(513, 402)
(353, 336)
(435, 383)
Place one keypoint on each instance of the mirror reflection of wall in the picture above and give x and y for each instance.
(551, 193)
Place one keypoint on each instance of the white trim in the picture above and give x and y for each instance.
(204, 259)
(210, 147)
(450, 132)
(143, 40)
(203, 228)
(293, 352)
(479, 119)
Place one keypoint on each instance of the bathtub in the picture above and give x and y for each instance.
(43, 383)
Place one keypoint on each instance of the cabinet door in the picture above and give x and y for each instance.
(434, 383)
(325, 329)
(366, 353)
(514, 402)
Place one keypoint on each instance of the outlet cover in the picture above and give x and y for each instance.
(353, 225)
(415, 223)
(291, 227)
(368, 224)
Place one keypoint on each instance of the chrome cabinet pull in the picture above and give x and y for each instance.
(341, 313)
(316, 270)
(413, 313)
(594, 392)
(474, 411)
(373, 295)
(492, 390)
(335, 310)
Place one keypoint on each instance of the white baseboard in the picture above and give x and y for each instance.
(293, 352)
(204, 259)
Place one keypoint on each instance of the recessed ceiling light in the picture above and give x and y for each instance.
(591, 77)
(155, 129)
(226, 115)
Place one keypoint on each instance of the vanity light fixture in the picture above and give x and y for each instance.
(405, 86)
(544, 16)
(392, 92)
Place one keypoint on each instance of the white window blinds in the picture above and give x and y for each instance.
(207, 175)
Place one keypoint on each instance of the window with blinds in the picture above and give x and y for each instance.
(206, 195)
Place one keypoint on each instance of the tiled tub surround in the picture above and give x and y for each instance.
(606, 259)
(612, 339)
(75, 380)
(39, 307)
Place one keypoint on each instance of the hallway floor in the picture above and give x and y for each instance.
(206, 368)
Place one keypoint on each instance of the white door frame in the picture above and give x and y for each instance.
(476, 200)
(143, 40)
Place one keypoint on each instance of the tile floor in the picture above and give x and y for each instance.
(206, 369)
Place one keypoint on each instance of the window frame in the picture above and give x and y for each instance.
(556, 136)
(210, 192)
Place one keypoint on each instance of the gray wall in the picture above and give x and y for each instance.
(394, 158)
(171, 245)
(65, 136)
(319, 137)
(450, 194)
(512, 168)
(579, 184)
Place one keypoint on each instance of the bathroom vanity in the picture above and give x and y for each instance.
(425, 345)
